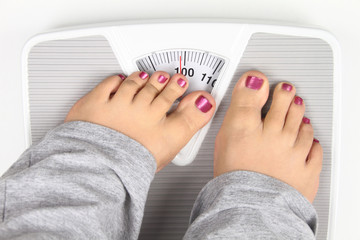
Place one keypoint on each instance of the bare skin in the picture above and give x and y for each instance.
(137, 106)
(281, 145)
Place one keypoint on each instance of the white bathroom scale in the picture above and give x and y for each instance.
(61, 66)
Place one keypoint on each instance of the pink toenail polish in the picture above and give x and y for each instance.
(203, 104)
(254, 82)
(306, 120)
(162, 79)
(122, 76)
(287, 87)
(181, 82)
(143, 75)
(298, 100)
(315, 140)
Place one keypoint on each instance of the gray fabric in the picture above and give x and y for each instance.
(85, 181)
(249, 205)
(82, 181)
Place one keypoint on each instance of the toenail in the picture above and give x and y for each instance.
(306, 120)
(203, 104)
(162, 79)
(122, 76)
(298, 100)
(315, 140)
(181, 82)
(143, 75)
(287, 87)
(253, 82)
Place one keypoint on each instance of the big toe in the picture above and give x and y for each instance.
(249, 96)
(193, 112)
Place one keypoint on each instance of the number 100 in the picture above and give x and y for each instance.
(190, 72)
(186, 72)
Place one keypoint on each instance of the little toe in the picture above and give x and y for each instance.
(131, 86)
(313, 166)
(294, 118)
(175, 88)
(315, 157)
(248, 97)
(282, 98)
(304, 139)
(153, 87)
(107, 87)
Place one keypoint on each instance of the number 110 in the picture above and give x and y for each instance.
(208, 79)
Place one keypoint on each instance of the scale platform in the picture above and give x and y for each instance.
(61, 66)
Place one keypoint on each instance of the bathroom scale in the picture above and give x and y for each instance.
(62, 65)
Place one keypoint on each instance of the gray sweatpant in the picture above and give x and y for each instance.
(85, 181)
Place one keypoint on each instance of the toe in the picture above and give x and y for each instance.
(104, 90)
(304, 140)
(192, 113)
(249, 96)
(294, 118)
(314, 166)
(315, 157)
(131, 86)
(282, 98)
(153, 87)
(173, 90)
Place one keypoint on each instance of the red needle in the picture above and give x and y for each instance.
(180, 64)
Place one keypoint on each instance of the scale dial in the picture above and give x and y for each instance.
(201, 68)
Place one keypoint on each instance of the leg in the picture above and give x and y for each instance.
(87, 181)
(260, 169)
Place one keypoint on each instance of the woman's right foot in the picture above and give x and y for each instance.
(281, 146)
(138, 106)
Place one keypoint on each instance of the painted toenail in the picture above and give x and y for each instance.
(286, 87)
(162, 79)
(143, 75)
(298, 100)
(253, 82)
(315, 140)
(203, 104)
(122, 76)
(181, 82)
(306, 120)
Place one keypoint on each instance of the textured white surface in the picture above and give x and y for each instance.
(22, 19)
(61, 71)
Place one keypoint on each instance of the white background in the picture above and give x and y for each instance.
(21, 19)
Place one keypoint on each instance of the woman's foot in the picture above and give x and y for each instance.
(281, 145)
(137, 106)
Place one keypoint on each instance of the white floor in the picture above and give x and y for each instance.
(21, 19)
